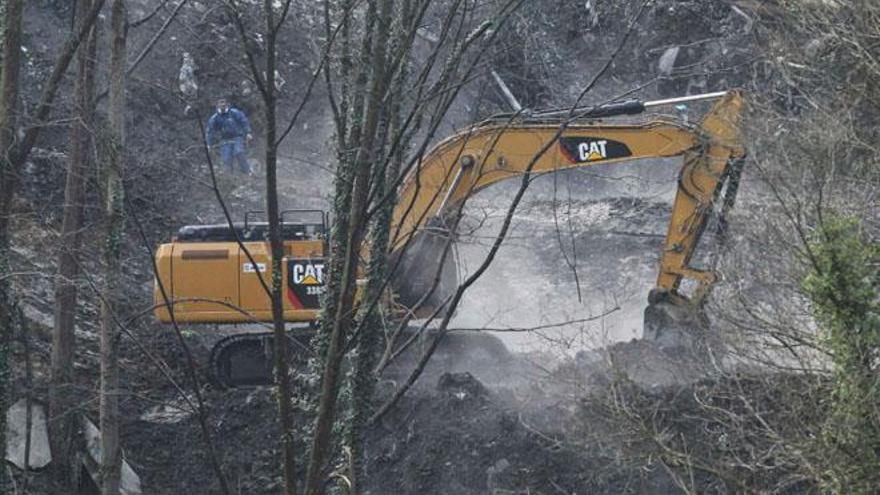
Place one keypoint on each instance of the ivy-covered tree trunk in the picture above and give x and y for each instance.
(370, 323)
(348, 132)
(371, 319)
(366, 159)
(353, 79)
(114, 218)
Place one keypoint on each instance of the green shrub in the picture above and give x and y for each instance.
(843, 289)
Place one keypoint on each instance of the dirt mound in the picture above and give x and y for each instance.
(466, 439)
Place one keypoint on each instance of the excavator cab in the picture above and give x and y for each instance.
(218, 273)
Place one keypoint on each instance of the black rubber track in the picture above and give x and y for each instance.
(246, 360)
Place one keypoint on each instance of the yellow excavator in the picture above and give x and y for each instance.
(209, 278)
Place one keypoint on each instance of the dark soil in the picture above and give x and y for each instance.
(463, 439)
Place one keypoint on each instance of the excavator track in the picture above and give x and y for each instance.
(246, 360)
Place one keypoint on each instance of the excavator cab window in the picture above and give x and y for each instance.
(310, 224)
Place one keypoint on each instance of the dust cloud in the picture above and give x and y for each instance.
(605, 241)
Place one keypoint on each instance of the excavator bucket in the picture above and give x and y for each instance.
(673, 322)
(426, 273)
(678, 347)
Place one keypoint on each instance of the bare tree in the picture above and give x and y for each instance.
(375, 121)
(281, 359)
(114, 223)
(65, 423)
(8, 120)
(266, 85)
(367, 142)
(18, 150)
(14, 153)
(379, 27)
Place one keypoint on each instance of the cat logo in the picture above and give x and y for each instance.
(584, 149)
(305, 282)
(308, 274)
(589, 151)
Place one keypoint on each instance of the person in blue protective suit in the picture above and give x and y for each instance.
(229, 131)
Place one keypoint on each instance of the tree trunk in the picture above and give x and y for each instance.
(64, 418)
(364, 163)
(370, 335)
(8, 114)
(9, 99)
(282, 368)
(349, 141)
(12, 157)
(114, 223)
(13, 154)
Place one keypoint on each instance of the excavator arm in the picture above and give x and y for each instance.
(470, 161)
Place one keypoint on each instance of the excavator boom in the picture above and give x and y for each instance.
(485, 154)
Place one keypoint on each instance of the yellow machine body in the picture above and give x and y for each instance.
(211, 281)
(217, 282)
